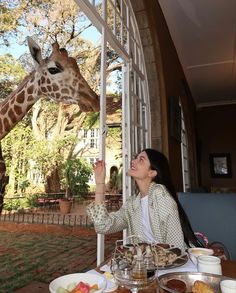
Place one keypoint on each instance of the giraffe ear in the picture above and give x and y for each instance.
(35, 51)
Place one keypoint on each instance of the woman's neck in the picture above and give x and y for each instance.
(143, 187)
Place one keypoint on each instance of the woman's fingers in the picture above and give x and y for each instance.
(98, 164)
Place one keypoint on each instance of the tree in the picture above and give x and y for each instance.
(76, 176)
(11, 73)
(17, 146)
(55, 129)
(10, 17)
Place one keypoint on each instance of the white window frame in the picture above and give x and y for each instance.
(124, 38)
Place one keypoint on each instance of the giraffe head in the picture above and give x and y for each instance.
(59, 78)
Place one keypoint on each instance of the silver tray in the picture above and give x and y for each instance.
(190, 278)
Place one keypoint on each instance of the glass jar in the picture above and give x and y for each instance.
(139, 271)
(209, 264)
(149, 263)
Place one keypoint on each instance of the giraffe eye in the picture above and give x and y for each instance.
(54, 70)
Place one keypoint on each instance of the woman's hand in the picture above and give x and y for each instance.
(99, 172)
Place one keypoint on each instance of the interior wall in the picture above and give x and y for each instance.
(216, 132)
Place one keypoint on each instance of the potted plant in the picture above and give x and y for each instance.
(65, 204)
(76, 178)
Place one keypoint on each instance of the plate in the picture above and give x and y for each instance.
(121, 250)
(91, 279)
(190, 278)
(178, 262)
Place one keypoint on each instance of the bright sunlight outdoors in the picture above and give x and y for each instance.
(43, 151)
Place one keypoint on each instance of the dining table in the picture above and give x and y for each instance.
(228, 270)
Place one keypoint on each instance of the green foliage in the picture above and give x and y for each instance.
(23, 202)
(14, 204)
(115, 133)
(10, 14)
(16, 148)
(31, 200)
(76, 173)
(11, 72)
(91, 120)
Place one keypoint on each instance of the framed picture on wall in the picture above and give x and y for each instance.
(220, 165)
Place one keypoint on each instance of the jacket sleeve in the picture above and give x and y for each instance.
(174, 234)
(171, 226)
(104, 222)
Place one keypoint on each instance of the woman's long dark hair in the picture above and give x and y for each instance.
(160, 163)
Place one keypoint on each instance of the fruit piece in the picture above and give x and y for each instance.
(83, 287)
(95, 287)
(108, 275)
(71, 286)
(62, 290)
(75, 291)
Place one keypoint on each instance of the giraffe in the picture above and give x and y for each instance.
(56, 77)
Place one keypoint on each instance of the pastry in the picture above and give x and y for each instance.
(201, 287)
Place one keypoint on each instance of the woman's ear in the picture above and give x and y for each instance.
(152, 173)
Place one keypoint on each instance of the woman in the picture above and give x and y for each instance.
(154, 214)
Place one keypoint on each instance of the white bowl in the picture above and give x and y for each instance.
(195, 252)
(88, 278)
(228, 286)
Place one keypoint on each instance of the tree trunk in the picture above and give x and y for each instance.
(53, 182)
(3, 179)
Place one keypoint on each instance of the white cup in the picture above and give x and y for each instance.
(228, 286)
(209, 264)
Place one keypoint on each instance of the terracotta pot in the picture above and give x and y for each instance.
(65, 206)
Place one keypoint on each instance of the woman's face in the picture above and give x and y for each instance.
(140, 167)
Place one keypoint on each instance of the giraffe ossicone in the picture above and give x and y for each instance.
(56, 77)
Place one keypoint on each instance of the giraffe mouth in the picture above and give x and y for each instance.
(89, 105)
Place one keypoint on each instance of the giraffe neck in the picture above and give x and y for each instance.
(17, 104)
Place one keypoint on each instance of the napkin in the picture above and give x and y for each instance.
(105, 268)
(111, 285)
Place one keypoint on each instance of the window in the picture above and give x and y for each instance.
(92, 133)
(92, 143)
(184, 154)
(116, 22)
(92, 160)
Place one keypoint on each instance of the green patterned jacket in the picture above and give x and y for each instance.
(163, 212)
